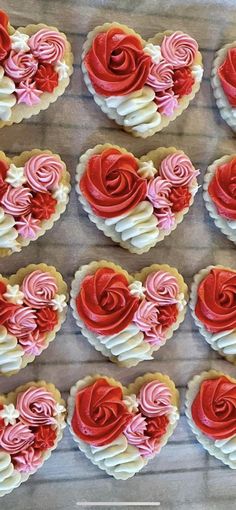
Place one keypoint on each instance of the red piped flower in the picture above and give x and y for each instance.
(43, 206)
(156, 427)
(5, 41)
(3, 172)
(183, 81)
(2, 424)
(167, 315)
(44, 438)
(180, 198)
(46, 78)
(47, 319)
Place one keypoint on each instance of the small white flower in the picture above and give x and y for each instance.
(136, 289)
(197, 72)
(173, 415)
(193, 188)
(181, 301)
(19, 41)
(14, 294)
(9, 414)
(15, 176)
(62, 69)
(58, 302)
(59, 409)
(131, 403)
(61, 193)
(146, 169)
(154, 51)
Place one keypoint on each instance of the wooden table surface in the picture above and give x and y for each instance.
(183, 474)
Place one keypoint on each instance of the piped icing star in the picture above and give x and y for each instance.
(28, 93)
(15, 176)
(58, 302)
(9, 414)
(59, 409)
(62, 69)
(28, 226)
(146, 169)
(14, 294)
(181, 302)
(61, 193)
(136, 289)
(19, 41)
(131, 403)
(154, 50)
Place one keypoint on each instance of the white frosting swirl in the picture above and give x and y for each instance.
(8, 234)
(197, 72)
(228, 448)
(225, 341)
(154, 50)
(146, 169)
(9, 477)
(128, 345)
(138, 226)
(7, 98)
(10, 352)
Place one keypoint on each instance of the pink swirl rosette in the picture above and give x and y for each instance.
(146, 316)
(158, 192)
(160, 76)
(22, 322)
(135, 430)
(39, 288)
(155, 399)
(43, 172)
(162, 288)
(36, 407)
(178, 169)
(20, 66)
(15, 438)
(166, 102)
(28, 460)
(47, 46)
(179, 49)
(17, 201)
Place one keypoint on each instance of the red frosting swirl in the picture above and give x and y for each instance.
(111, 183)
(47, 319)
(45, 437)
(156, 426)
(180, 198)
(43, 205)
(222, 190)
(227, 75)
(167, 315)
(214, 408)
(104, 302)
(216, 300)
(5, 41)
(183, 81)
(46, 78)
(116, 63)
(3, 173)
(99, 416)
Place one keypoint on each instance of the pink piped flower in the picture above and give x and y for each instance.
(20, 66)
(28, 93)
(178, 169)
(39, 289)
(158, 192)
(166, 218)
(47, 46)
(146, 316)
(155, 399)
(15, 438)
(166, 102)
(28, 460)
(43, 172)
(17, 201)
(33, 343)
(160, 76)
(150, 447)
(162, 287)
(22, 322)
(135, 430)
(179, 49)
(36, 406)
(155, 336)
(28, 227)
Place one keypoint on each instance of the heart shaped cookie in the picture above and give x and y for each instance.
(35, 69)
(210, 410)
(140, 420)
(31, 423)
(136, 202)
(219, 194)
(224, 83)
(32, 310)
(34, 192)
(127, 317)
(213, 305)
(142, 85)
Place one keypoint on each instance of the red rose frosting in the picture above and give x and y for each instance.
(99, 416)
(227, 76)
(104, 302)
(43, 205)
(214, 408)
(216, 300)
(46, 78)
(5, 41)
(180, 198)
(222, 190)
(116, 63)
(111, 183)
(183, 81)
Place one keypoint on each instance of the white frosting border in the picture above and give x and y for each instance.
(227, 112)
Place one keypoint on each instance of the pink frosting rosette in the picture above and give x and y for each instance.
(162, 287)
(28, 460)
(155, 335)
(36, 407)
(155, 399)
(20, 66)
(165, 217)
(33, 343)
(160, 76)
(43, 172)
(22, 322)
(135, 430)
(28, 226)
(178, 169)
(17, 201)
(39, 288)
(149, 447)
(179, 49)
(47, 46)
(15, 438)
(166, 102)
(146, 316)
(158, 192)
